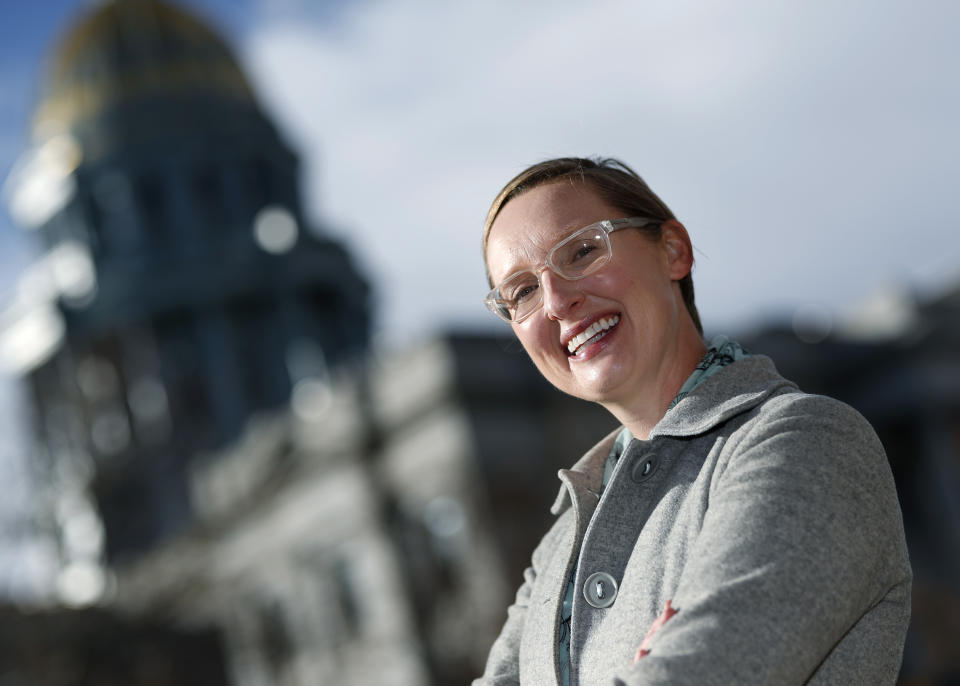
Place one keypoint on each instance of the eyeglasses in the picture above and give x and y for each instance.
(576, 256)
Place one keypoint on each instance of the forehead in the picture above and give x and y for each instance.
(533, 222)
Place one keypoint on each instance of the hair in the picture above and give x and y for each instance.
(616, 183)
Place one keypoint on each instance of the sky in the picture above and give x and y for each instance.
(810, 148)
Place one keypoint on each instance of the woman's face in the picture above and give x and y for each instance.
(636, 291)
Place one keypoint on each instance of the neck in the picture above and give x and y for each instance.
(643, 409)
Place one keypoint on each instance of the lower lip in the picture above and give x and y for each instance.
(593, 349)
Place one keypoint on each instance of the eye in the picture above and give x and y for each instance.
(518, 288)
(583, 250)
(523, 293)
(578, 253)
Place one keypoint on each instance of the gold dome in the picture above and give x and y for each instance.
(130, 50)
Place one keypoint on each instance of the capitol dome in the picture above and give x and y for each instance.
(130, 54)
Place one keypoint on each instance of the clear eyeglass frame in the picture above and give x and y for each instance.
(507, 308)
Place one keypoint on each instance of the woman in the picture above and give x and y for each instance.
(735, 530)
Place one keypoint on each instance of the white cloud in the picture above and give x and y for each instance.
(808, 147)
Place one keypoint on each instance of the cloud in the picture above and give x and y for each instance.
(797, 142)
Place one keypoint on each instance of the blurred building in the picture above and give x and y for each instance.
(178, 292)
(380, 539)
(92, 646)
(217, 453)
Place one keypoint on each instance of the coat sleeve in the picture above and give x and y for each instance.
(503, 662)
(799, 571)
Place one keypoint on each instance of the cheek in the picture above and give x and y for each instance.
(615, 283)
(537, 340)
(641, 289)
(528, 337)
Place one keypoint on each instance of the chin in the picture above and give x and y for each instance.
(595, 391)
(598, 381)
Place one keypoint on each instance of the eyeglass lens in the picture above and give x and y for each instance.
(574, 258)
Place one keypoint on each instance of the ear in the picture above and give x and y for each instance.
(679, 249)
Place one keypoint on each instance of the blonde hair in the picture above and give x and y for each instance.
(616, 183)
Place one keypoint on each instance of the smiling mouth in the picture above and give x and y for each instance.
(591, 334)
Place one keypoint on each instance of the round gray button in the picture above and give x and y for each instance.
(600, 590)
(644, 468)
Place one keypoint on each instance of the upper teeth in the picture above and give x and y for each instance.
(601, 324)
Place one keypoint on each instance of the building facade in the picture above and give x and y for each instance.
(220, 453)
(179, 292)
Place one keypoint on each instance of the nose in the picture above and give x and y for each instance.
(560, 296)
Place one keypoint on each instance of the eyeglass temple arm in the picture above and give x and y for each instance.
(632, 222)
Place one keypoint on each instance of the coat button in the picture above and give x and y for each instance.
(600, 590)
(644, 468)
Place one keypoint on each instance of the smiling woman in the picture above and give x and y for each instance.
(653, 340)
(735, 529)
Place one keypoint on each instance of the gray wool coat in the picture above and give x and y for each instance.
(769, 520)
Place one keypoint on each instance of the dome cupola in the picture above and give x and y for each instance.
(131, 54)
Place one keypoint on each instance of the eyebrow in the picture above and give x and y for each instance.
(509, 272)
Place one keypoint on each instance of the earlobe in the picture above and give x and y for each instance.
(679, 249)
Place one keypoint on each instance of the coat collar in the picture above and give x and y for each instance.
(735, 389)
